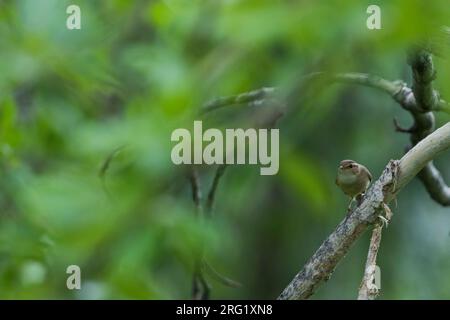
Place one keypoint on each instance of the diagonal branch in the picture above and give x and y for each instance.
(395, 176)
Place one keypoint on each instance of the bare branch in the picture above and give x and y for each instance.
(390, 87)
(433, 181)
(427, 100)
(219, 277)
(421, 154)
(200, 287)
(212, 191)
(397, 89)
(367, 290)
(443, 105)
(196, 190)
(254, 97)
(399, 128)
(394, 177)
(423, 76)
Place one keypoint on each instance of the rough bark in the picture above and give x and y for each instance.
(367, 289)
(395, 176)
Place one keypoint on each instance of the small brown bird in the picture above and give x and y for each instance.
(353, 179)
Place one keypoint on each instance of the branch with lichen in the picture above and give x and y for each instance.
(426, 101)
(396, 175)
(367, 289)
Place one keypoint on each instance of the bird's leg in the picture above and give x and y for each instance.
(359, 198)
(349, 208)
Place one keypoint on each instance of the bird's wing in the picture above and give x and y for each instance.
(368, 172)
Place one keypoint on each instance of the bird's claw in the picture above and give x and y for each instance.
(388, 215)
(384, 221)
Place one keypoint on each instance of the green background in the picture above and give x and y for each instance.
(136, 71)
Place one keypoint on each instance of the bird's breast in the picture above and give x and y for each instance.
(352, 184)
(346, 178)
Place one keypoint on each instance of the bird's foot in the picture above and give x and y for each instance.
(349, 208)
(384, 221)
(387, 215)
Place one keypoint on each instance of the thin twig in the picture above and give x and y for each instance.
(212, 191)
(397, 89)
(194, 179)
(427, 100)
(399, 128)
(200, 287)
(443, 105)
(368, 290)
(246, 97)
